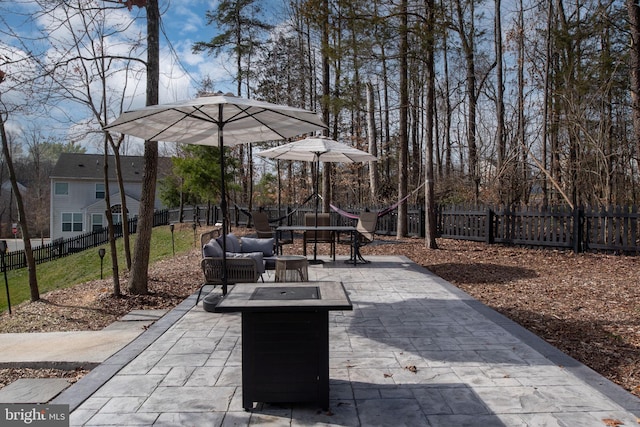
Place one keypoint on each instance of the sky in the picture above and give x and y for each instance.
(183, 24)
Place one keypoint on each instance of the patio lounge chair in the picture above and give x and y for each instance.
(241, 267)
(319, 236)
(239, 270)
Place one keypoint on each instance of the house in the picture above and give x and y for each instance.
(78, 191)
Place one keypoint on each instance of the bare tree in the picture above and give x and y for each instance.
(633, 11)
(500, 125)
(82, 64)
(403, 135)
(138, 280)
(22, 216)
(465, 27)
(373, 142)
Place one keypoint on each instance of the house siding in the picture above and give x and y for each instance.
(81, 197)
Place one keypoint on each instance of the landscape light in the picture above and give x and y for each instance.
(101, 253)
(173, 243)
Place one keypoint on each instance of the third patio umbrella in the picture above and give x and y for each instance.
(222, 120)
(318, 149)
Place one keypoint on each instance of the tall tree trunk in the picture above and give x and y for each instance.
(124, 211)
(112, 238)
(524, 170)
(429, 195)
(500, 135)
(326, 95)
(448, 162)
(633, 10)
(547, 104)
(22, 216)
(373, 142)
(403, 139)
(467, 36)
(138, 281)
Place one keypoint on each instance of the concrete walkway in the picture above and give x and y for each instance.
(68, 350)
(415, 351)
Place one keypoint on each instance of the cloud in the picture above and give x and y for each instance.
(181, 71)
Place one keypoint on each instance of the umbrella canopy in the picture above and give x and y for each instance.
(318, 149)
(204, 120)
(222, 120)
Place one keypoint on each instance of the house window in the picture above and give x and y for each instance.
(116, 211)
(96, 222)
(61, 189)
(99, 191)
(71, 222)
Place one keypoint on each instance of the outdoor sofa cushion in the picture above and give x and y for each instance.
(257, 256)
(259, 249)
(233, 244)
(251, 244)
(264, 245)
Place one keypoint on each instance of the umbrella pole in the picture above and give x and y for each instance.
(315, 243)
(223, 202)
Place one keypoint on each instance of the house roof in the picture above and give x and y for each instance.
(7, 186)
(91, 167)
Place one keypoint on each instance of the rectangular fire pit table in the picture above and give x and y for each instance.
(285, 339)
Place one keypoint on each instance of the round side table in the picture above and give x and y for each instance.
(292, 268)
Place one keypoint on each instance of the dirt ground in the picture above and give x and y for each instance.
(587, 305)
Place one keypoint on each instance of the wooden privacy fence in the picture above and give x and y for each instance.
(611, 229)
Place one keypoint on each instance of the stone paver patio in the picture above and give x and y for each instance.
(415, 351)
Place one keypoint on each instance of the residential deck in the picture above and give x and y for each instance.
(415, 351)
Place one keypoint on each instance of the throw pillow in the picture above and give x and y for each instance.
(250, 244)
(212, 249)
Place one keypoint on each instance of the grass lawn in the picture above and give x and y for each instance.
(85, 266)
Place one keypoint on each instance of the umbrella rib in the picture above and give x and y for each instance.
(266, 110)
(133, 119)
(206, 118)
(184, 116)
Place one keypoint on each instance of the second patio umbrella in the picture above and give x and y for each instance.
(317, 149)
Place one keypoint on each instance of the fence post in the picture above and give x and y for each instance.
(422, 220)
(489, 227)
(578, 224)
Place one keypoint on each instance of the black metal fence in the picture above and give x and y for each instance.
(607, 229)
(60, 248)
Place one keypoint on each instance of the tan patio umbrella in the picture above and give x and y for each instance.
(318, 149)
(222, 120)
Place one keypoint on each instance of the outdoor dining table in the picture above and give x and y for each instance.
(337, 229)
(285, 339)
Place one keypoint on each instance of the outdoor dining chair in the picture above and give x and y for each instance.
(316, 237)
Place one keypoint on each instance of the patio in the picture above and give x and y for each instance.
(415, 350)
